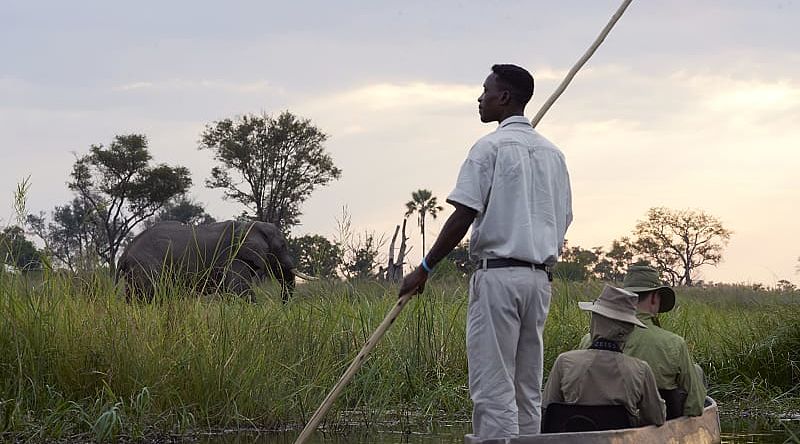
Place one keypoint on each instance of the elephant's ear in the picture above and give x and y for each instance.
(266, 229)
(275, 247)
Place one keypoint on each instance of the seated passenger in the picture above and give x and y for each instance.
(602, 375)
(665, 352)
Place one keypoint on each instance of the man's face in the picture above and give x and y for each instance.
(493, 100)
(653, 303)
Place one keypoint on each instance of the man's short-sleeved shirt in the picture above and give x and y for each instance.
(518, 183)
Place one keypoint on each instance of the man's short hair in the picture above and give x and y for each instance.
(518, 81)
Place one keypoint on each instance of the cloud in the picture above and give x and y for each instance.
(549, 73)
(719, 141)
(755, 96)
(132, 86)
(10, 85)
(393, 96)
(258, 86)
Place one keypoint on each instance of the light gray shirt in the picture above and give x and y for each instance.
(518, 183)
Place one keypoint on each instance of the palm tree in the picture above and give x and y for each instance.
(422, 202)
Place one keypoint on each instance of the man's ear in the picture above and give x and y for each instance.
(655, 299)
(505, 97)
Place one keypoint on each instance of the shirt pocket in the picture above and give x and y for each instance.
(512, 160)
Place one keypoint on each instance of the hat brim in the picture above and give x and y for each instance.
(666, 293)
(608, 312)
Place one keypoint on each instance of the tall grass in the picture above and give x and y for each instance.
(76, 360)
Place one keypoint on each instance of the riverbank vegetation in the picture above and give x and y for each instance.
(77, 361)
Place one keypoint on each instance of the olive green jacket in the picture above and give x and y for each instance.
(669, 359)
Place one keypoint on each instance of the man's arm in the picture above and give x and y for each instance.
(652, 409)
(690, 381)
(552, 388)
(452, 232)
(586, 341)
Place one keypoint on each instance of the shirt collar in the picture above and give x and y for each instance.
(646, 318)
(514, 119)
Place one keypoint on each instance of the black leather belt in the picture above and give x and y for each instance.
(510, 262)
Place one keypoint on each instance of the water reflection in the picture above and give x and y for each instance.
(732, 433)
(447, 435)
(740, 432)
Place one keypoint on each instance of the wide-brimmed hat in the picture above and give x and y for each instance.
(615, 303)
(644, 279)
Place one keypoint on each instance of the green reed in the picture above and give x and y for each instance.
(76, 360)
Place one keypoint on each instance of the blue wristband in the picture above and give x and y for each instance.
(425, 266)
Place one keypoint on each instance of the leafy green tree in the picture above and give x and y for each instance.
(602, 268)
(459, 256)
(785, 286)
(362, 257)
(576, 263)
(613, 264)
(620, 256)
(360, 253)
(316, 255)
(17, 251)
(182, 209)
(269, 165)
(570, 271)
(121, 189)
(423, 202)
(72, 235)
(680, 241)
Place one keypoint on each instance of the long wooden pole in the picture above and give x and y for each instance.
(354, 366)
(580, 63)
(373, 340)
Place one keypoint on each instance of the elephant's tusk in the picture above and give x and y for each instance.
(302, 275)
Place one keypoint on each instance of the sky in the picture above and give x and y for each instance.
(686, 105)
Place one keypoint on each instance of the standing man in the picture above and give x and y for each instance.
(514, 190)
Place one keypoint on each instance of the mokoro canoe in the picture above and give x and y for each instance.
(685, 430)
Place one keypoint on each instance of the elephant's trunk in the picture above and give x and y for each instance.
(302, 275)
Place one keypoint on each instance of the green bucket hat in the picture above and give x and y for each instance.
(644, 279)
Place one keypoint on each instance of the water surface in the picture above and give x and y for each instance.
(733, 432)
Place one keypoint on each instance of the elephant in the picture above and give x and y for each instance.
(228, 256)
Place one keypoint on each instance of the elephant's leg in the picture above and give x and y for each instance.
(239, 279)
(138, 288)
(130, 294)
(287, 289)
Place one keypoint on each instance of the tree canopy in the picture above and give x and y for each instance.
(316, 255)
(72, 237)
(579, 264)
(677, 242)
(361, 253)
(362, 256)
(424, 203)
(182, 209)
(121, 189)
(612, 264)
(17, 251)
(270, 165)
(460, 258)
(576, 263)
